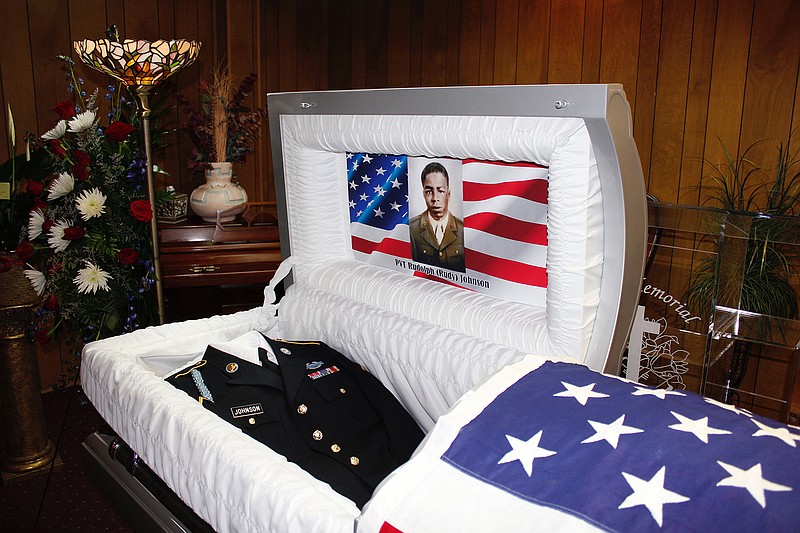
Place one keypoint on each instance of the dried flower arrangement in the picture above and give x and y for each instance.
(222, 129)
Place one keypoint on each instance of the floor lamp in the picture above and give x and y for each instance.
(141, 65)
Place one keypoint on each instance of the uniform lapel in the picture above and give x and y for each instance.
(450, 232)
(292, 363)
(427, 231)
(241, 372)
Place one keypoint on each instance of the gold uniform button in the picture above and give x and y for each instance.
(335, 448)
(317, 435)
(252, 421)
(343, 390)
(354, 460)
(302, 409)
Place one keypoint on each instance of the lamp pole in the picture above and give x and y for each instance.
(142, 93)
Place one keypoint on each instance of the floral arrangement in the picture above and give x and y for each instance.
(87, 244)
(222, 129)
(21, 180)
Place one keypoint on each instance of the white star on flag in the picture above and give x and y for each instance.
(610, 432)
(365, 179)
(395, 206)
(752, 480)
(353, 185)
(396, 163)
(582, 394)
(652, 494)
(780, 433)
(729, 407)
(699, 427)
(525, 452)
(378, 212)
(658, 393)
(380, 172)
(366, 158)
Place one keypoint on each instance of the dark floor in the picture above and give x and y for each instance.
(66, 499)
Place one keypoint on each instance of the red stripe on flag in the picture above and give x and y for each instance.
(534, 190)
(506, 269)
(503, 163)
(388, 528)
(386, 246)
(510, 228)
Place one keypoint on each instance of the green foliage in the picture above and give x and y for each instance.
(740, 186)
(22, 175)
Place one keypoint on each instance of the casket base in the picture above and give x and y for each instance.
(143, 500)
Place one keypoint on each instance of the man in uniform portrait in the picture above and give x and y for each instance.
(437, 236)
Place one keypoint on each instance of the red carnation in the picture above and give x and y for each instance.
(65, 109)
(55, 146)
(141, 210)
(80, 172)
(127, 256)
(55, 269)
(51, 302)
(35, 187)
(42, 337)
(73, 233)
(47, 224)
(80, 157)
(118, 131)
(24, 250)
(38, 203)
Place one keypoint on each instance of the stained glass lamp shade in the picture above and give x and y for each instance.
(138, 62)
(140, 65)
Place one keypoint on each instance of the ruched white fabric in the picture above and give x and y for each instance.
(428, 343)
(316, 196)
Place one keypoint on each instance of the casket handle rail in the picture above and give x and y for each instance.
(122, 453)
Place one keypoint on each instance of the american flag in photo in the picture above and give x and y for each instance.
(505, 223)
(505, 226)
(627, 457)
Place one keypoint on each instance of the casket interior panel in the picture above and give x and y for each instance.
(545, 181)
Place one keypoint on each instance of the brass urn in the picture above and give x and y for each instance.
(24, 446)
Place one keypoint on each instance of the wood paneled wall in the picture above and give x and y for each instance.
(697, 73)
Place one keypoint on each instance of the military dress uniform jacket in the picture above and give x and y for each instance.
(316, 407)
(425, 248)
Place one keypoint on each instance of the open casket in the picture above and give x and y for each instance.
(549, 187)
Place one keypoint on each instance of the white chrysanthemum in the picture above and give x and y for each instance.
(62, 185)
(56, 239)
(82, 121)
(57, 132)
(35, 222)
(90, 278)
(91, 203)
(37, 280)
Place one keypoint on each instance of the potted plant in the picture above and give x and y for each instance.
(223, 131)
(764, 283)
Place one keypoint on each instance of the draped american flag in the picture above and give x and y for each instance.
(505, 223)
(626, 457)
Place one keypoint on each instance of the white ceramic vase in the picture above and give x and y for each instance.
(218, 193)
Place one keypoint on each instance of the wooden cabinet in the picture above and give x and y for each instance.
(210, 269)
